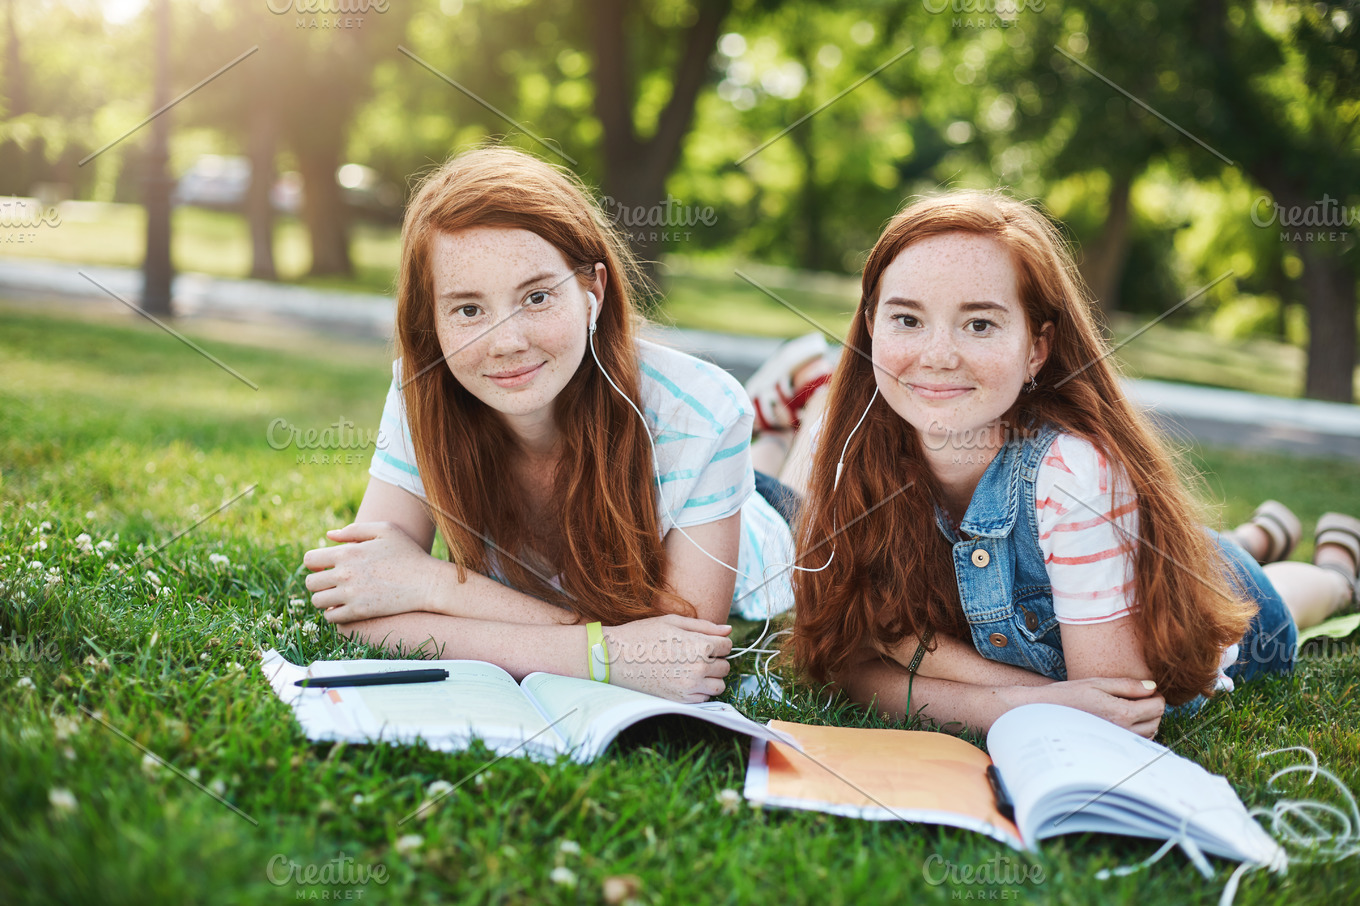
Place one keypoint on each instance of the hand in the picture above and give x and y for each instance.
(674, 657)
(1120, 700)
(380, 572)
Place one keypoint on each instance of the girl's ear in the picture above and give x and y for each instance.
(1043, 344)
(601, 277)
(869, 322)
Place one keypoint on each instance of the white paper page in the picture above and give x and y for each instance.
(313, 714)
(478, 700)
(1068, 771)
(589, 714)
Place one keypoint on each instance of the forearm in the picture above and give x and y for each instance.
(959, 662)
(519, 648)
(887, 687)
(481, 598)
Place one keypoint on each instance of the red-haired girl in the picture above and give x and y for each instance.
(595, 490)
(1002, 525)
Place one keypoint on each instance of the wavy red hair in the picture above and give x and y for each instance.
(607, 542)
(892, 575)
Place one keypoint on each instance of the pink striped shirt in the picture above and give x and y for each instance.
(1088, 532)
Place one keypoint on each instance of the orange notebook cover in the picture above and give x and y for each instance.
(882, 775)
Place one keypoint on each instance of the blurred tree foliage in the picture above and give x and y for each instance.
(1178, 143)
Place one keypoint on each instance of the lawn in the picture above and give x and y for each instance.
(705, 293)
(152, 624)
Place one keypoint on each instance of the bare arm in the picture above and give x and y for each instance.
(877, 680)
(960, 662)
(1103, 649)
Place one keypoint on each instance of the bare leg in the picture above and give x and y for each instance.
(1311, 594)
(798, 464)
(1253, 539)
(770, 450)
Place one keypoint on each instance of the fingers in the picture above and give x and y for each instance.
(695, 624)
(320, 558)
(1126, 687)
(320, 581)
(358, 531)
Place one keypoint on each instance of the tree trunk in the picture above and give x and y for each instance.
(1329, 296)
(1104, 266)
(323, 209)
(259, 206)
(157, 268)
(636, 169)
(1329, 290)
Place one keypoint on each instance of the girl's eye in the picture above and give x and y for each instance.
(980, 325)
(906, 320)
(467, 311)
(536, 298)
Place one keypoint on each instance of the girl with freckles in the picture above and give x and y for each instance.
(1005, 527)
(594, 490)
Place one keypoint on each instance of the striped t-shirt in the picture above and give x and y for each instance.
(700, 419)
(1088, 532)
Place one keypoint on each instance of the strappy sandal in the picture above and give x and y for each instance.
(1343, 531)
(777, 402)
(1281, 526)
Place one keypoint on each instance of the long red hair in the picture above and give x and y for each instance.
(606, 534)
(892, 574)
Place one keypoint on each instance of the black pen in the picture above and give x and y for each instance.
(1003, 799)
(375, 679)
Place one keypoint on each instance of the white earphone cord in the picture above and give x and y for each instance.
(656, 473)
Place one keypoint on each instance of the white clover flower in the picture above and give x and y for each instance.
(53, 578)
(310, 628)
(45, 527)
(25, 682)
(150, 766)
(731, 801)
(192, 773)
(438, 788)
(151, 577)
(569, 848)
(219, 560)
(563, 876)
(84, 543)
(358, 800)
(62, 800)
(105, 545)
(218, 787)
(296, 603)
(65, 727)
(35, 564)
(409, 842)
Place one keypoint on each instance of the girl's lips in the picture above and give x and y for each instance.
(515, 378)
(938, 391)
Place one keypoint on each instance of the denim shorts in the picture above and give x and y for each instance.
(1271, 640)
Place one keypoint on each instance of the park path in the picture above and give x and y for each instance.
(1207, 415)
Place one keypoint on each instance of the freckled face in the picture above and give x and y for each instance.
(951, 344)
(511, 318)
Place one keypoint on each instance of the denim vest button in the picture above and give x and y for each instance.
(981, 558)
(998, 639)
(1031, 620)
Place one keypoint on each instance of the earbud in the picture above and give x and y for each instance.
(594, 309)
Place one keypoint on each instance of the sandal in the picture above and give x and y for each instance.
(1343, 531)
(1281, 526)
(777, 402)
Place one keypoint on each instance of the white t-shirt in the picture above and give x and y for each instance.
(700, 419)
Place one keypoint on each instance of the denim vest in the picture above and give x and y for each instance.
(1005, 591)
(1003, 583)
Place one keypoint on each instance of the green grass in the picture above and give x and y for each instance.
(123, 433)
(700, 293)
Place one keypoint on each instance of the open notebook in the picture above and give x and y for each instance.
(1065, 771)
(541, 718)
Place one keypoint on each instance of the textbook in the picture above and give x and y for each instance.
(1061, 771)
(541, 718)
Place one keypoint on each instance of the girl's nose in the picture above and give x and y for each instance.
(940, 350)
(508, 336)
